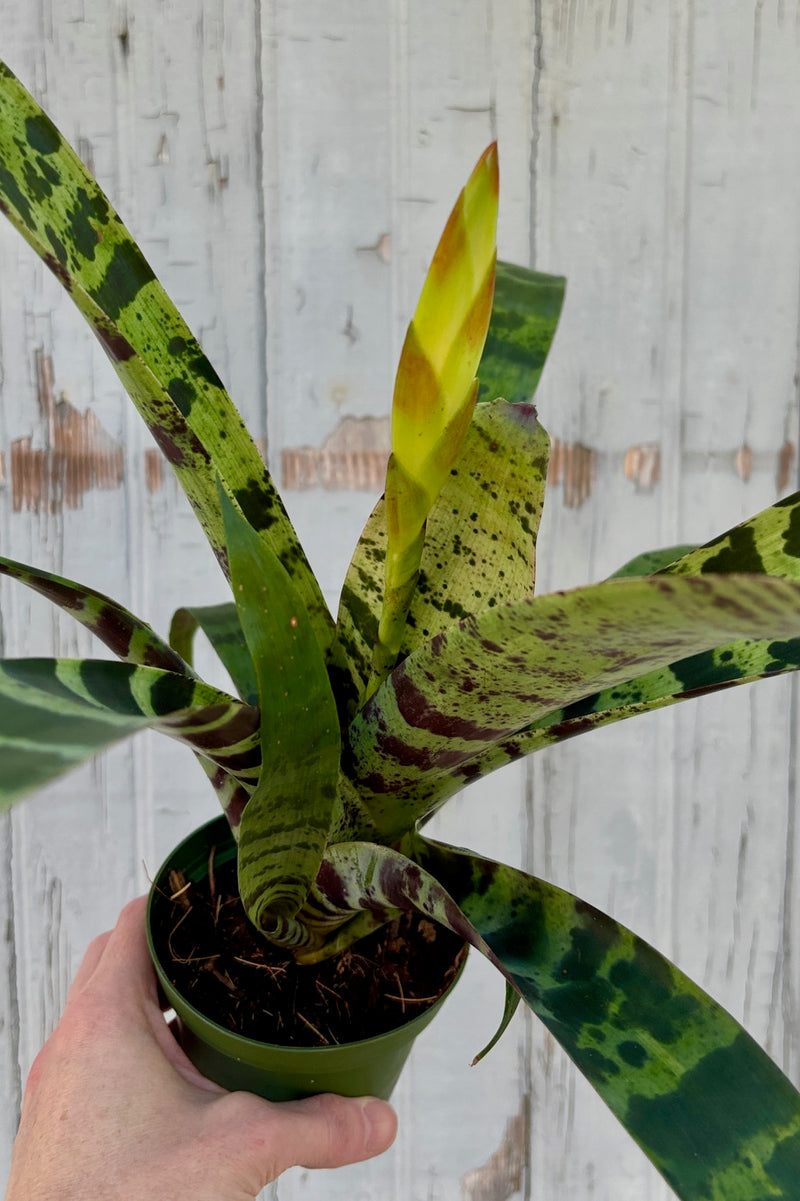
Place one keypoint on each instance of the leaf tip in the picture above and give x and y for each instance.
(490, 161)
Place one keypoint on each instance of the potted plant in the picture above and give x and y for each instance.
(341, 738)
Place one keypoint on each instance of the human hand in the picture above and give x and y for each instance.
(113, 1109)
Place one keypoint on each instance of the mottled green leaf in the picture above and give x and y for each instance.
(525, 313)
(741, 662)
(711, 1110)
(651, 561)
(48, 194)
(767, 543)
(286, 822)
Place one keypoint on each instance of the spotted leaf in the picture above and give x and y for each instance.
(480, 543)
(48, 194)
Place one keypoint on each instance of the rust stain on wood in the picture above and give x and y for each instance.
(642, 465)
(573, 464)
(785, 461)
(153, 470)
(744, 462)
(77, 454)
(382, 248)
(354, 456)
(503, 1174)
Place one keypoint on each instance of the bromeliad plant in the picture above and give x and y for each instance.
(342, 738)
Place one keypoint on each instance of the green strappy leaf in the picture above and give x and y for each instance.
(220, 624)
(286, 822)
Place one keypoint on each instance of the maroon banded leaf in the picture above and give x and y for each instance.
(56, 713)
(131, 639)
(485, 679)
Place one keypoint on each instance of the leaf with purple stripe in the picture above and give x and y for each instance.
(130, 638)
(481, 682)
(57, 713)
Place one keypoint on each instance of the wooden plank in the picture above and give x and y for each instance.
(655, 158)
(289, 171)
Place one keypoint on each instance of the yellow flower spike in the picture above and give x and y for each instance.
(435, 392)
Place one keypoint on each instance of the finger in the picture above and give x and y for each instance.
(89, 963)
(125, 968)
(319, 1132)
(121, 971)
(329, 1131)
(356, 1129)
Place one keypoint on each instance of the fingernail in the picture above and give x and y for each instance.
(381, 1123)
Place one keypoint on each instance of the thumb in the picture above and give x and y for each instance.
(329, 1131)
(319, 1132)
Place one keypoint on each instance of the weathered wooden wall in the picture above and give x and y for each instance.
(287, 168)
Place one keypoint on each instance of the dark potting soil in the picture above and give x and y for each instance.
(229, 972)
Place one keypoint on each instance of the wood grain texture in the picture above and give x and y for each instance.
(288, 169)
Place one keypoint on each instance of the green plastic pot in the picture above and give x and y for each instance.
(368, 1067)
